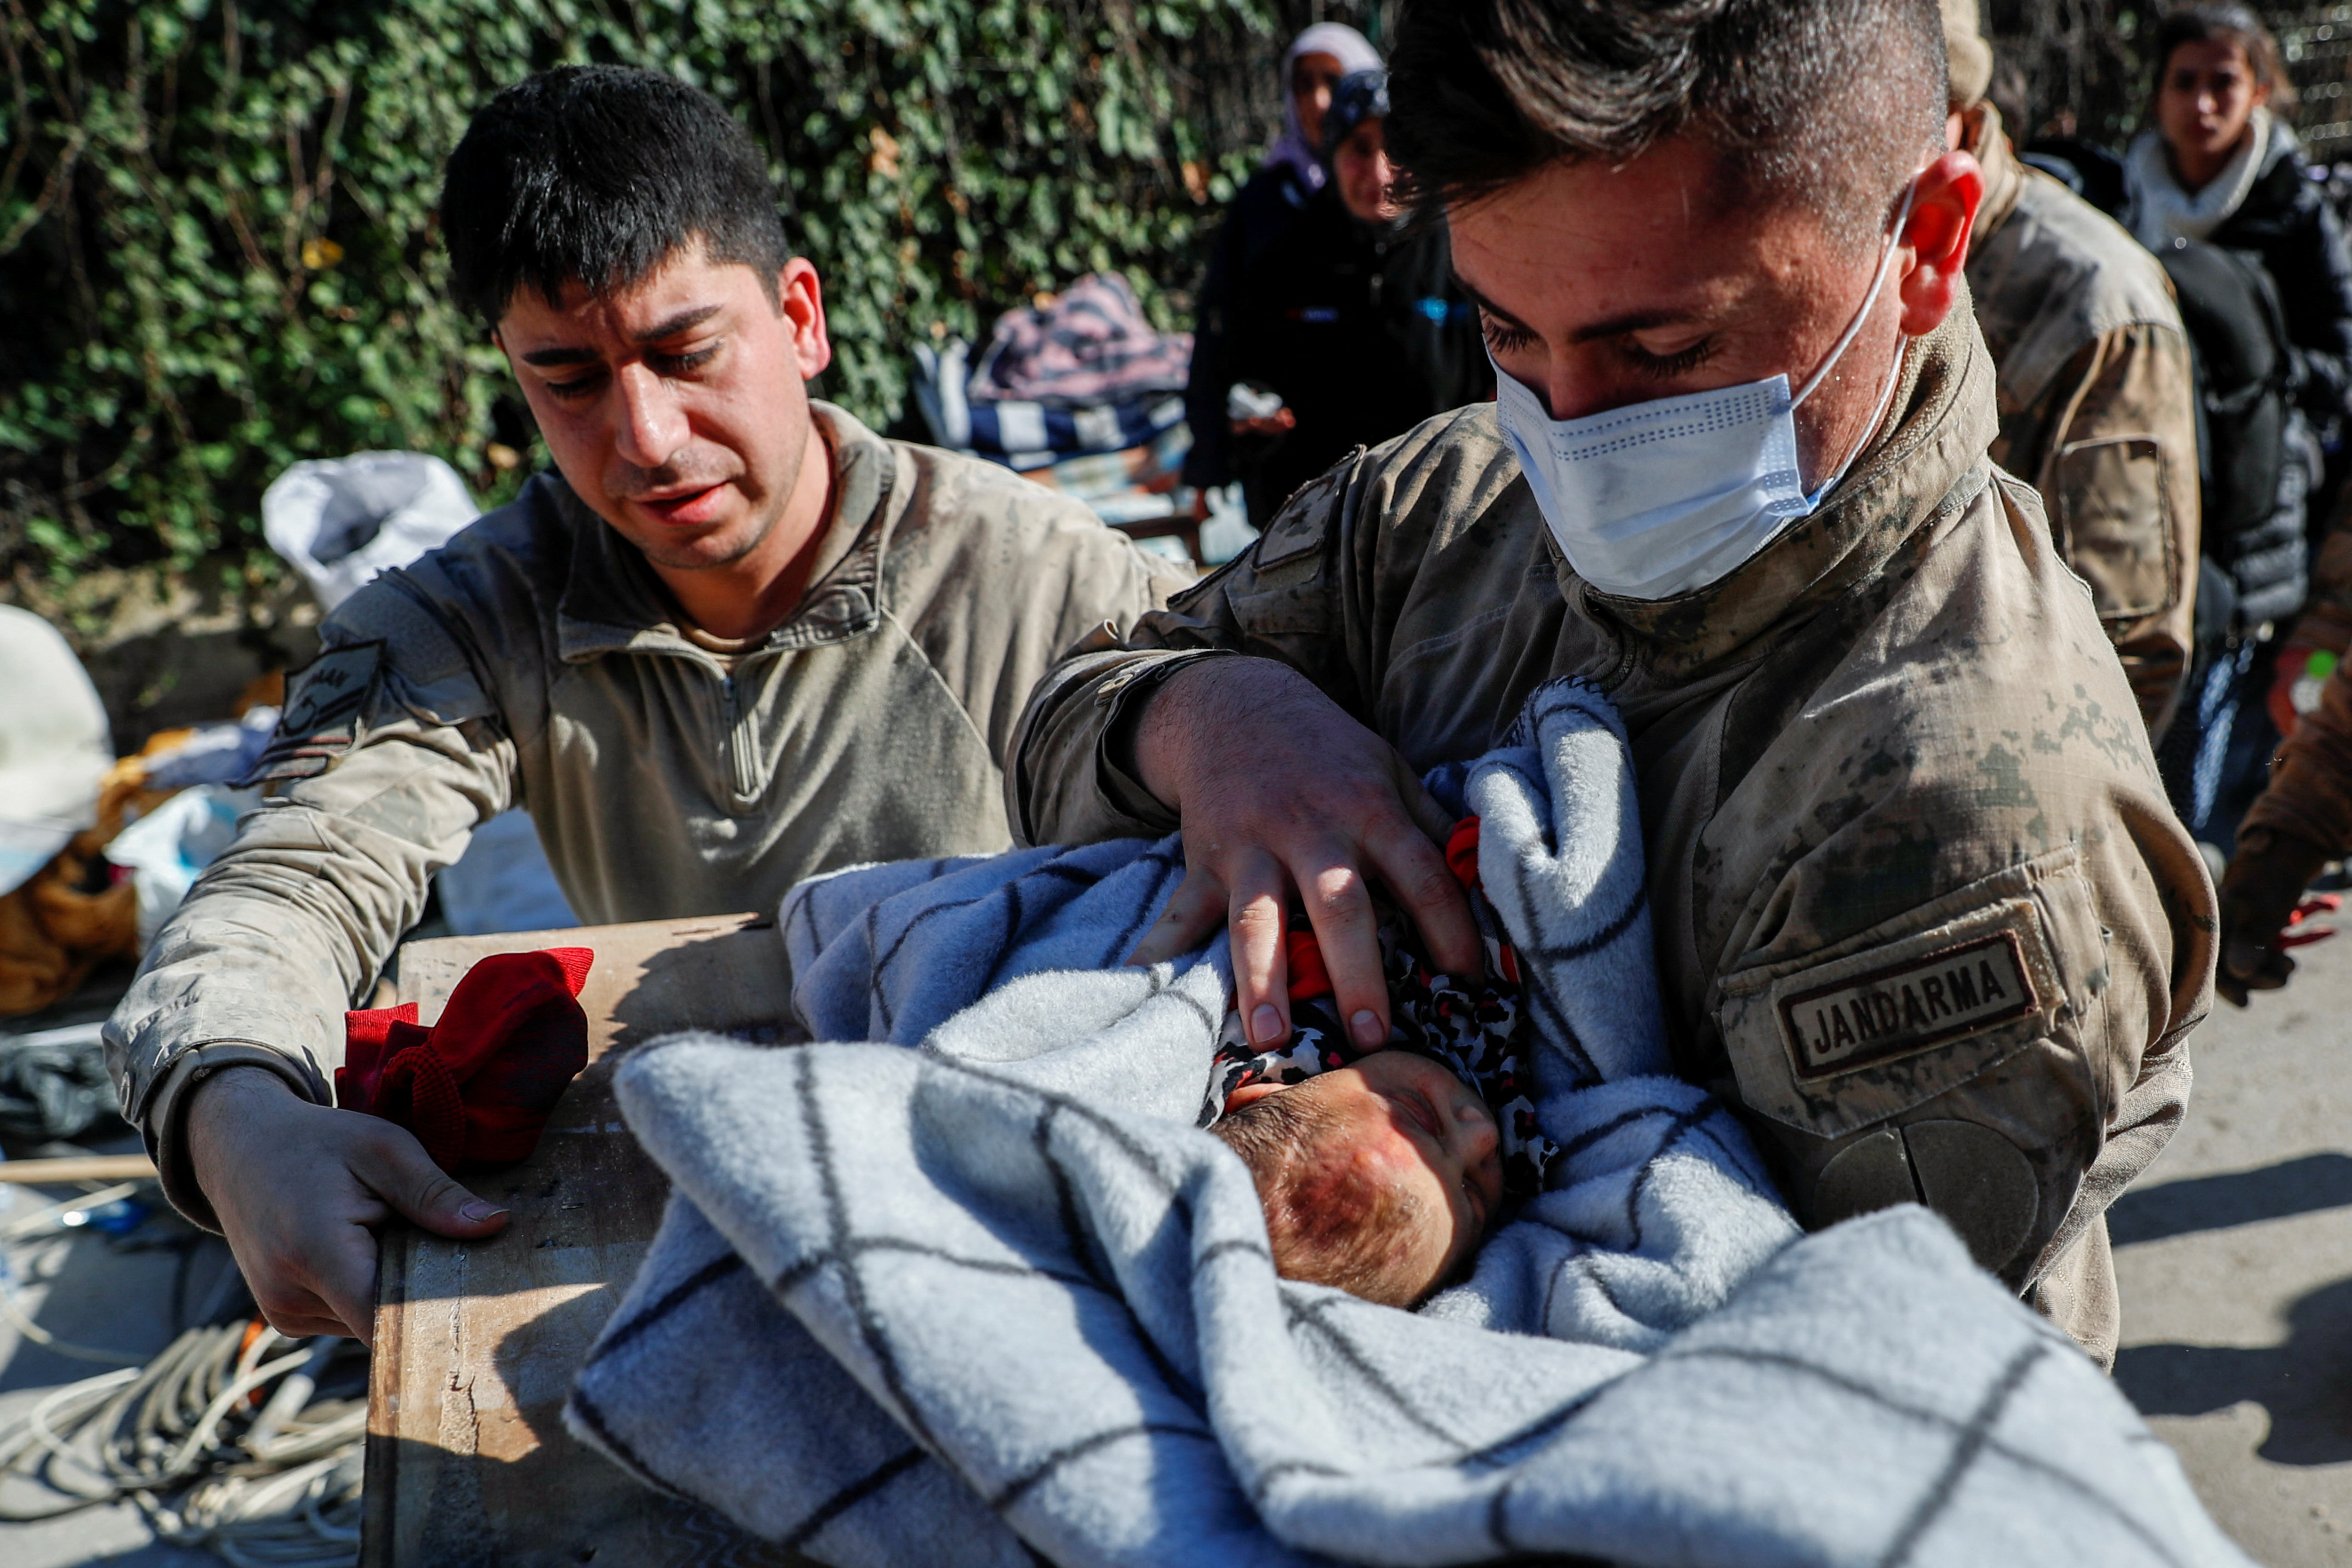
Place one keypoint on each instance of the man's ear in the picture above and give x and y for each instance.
(799, 299)
(1943, 211)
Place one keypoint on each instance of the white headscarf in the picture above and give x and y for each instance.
(1343, 44)
(2161, 212)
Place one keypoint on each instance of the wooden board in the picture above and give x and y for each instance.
(468, 1460)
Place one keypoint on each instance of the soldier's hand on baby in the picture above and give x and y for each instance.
(1281, 793)
(300, 1190)
(2266, 911)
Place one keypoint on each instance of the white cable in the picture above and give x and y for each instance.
(235, 1391)
(258, 1499)
(37, 1422)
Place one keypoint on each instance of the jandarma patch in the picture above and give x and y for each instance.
(322, 713)
(1907, 1006)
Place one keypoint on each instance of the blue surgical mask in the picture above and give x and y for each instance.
(1664, 498)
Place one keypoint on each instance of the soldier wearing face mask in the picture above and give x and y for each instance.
(1922, 913)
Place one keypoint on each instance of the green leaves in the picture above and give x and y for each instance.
(217, 248)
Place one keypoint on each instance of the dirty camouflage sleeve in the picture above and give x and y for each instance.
(2112, 446)
(1278, 599)
(388, 760)
(1896, 747)
(1955, 936)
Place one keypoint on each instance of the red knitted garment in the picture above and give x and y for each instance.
(477, 1087)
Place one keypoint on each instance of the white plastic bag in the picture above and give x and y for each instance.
(168, 848)
(55, 745)
(340, 521)
(503, 883)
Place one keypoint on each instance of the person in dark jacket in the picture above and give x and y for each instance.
(1268, 204)
(2216, 186)
(1352, 317)
(2220, 166)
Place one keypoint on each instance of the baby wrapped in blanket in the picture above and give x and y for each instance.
(1380, 1174)
(982, 1297)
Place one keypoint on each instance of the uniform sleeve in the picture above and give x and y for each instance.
(1084, 585)
(2118, 473)
(1977, 937)
(390, 754)
(1280, 599)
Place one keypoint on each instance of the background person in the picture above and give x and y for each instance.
(1353, 317)
(1261, 211)
(2301, 821)
(2097, 393)
(2218, 187)
(700, 653)
(1876, 724)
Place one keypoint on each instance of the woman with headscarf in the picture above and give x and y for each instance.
(1264, 207)
(1352, 318)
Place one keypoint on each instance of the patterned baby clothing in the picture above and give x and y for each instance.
(1473, 1028)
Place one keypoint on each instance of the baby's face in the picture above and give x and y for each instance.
(1420, 1127)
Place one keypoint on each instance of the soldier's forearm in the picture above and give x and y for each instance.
(1064, 784)
(280, 937)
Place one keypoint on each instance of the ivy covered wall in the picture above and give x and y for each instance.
(217, 230)
(217, 252)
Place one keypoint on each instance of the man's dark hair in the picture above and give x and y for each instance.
(2229, 23)
(600, 173)
(1828, 104)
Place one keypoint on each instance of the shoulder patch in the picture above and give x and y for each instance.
(1908, 1004)
(324, 702)
(1834, 1041)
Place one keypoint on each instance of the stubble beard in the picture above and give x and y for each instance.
(698, 556)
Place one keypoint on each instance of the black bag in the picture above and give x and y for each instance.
(2252, 507)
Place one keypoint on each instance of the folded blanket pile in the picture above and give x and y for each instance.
(996, 1297)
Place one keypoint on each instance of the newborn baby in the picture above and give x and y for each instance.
(1377, 1177)
(1380, 1174)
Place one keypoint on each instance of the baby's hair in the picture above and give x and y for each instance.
(1330, 1222)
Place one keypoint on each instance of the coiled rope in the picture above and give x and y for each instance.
(236, 1439)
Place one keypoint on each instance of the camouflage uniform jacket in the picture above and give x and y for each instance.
(536, 661)
(2097, 405)
(1920, 907)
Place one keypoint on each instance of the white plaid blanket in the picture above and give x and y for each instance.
(995, 1300)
